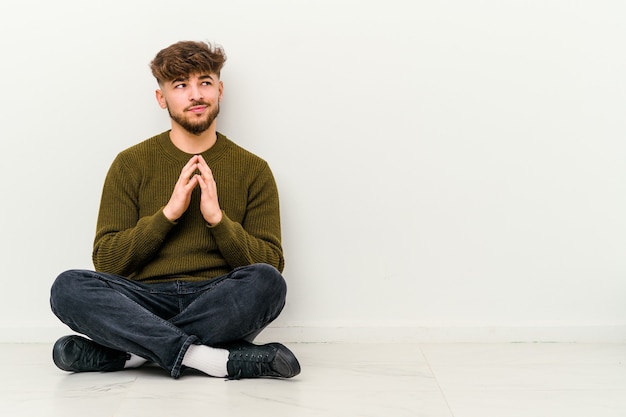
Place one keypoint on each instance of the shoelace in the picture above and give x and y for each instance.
(254, 365)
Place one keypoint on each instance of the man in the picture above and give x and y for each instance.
(187, 252)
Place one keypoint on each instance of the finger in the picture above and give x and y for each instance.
(201, 182)
(192, 161)
(207, 186)
(203, 167)
(188, 170)
(191, 184)
(201, 160)
(206, 173)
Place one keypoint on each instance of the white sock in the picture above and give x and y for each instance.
(211, 361)
(134, 361)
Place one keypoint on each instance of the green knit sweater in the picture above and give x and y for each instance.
(135, 239)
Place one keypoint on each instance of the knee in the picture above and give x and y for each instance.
(274, 285)
(268, 281)
(272, 278)
(66, 289)
(66, 282)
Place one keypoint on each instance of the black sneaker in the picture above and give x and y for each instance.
(77, 354)
(253, 361)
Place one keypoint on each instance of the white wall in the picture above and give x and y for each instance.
(448, 170)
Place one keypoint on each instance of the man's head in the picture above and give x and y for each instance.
(190, 89)
(186, 58)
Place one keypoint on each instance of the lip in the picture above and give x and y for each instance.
(197, 109)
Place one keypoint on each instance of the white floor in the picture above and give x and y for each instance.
(378, 380)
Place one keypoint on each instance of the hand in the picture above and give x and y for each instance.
(209, 204)
(181, 196)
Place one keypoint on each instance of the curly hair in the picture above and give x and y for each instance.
(185, 58)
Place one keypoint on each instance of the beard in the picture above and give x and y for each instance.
(196, 126)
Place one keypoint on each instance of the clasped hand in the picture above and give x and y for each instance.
(195, 173)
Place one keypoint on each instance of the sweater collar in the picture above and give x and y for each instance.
(210, 155)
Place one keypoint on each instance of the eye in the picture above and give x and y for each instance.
(179, 85)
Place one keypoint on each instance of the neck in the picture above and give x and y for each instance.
(190, 143)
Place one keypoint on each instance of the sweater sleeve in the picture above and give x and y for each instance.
(257, 239)
(124, 241)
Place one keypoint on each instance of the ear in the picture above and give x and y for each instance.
(219, 98)
(160, 99)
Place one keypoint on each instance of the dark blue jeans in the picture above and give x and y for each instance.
(159, 321)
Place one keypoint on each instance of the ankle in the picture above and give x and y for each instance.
(211, 361)
(134, 361)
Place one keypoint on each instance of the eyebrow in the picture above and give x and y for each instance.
(206, 76)
(186, 79)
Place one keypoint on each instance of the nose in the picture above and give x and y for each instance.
(195, 93)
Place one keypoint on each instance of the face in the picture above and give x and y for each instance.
(192, 102)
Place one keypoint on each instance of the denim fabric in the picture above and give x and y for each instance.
(159, 321)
